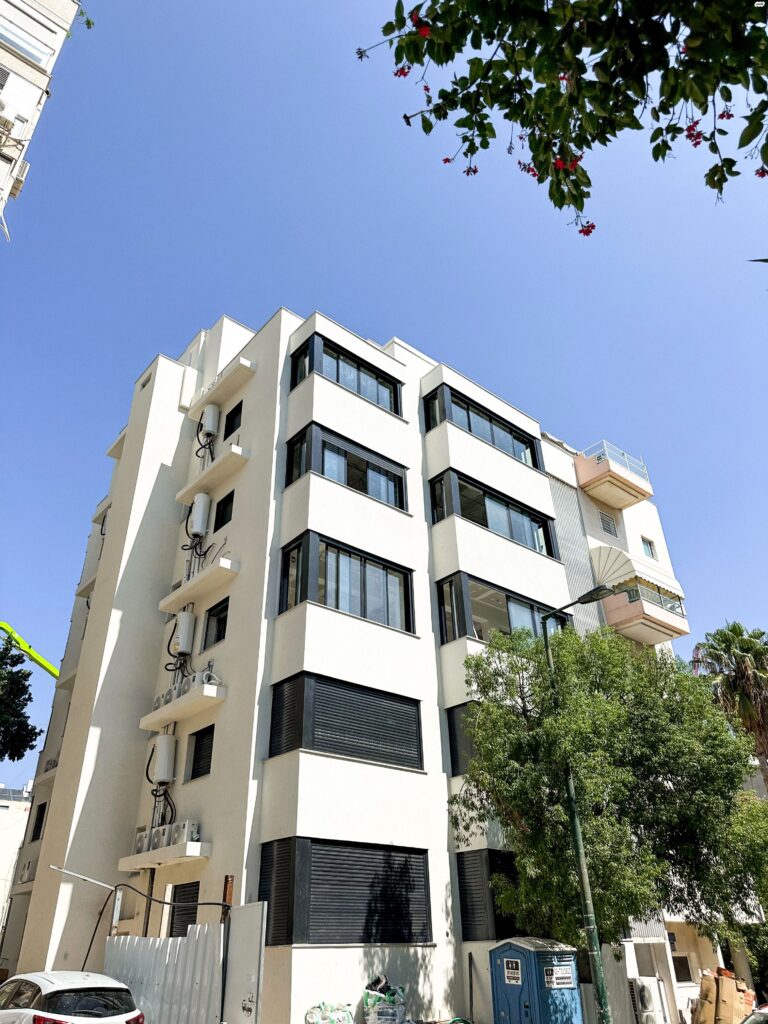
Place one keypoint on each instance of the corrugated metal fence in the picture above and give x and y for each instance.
(174, 981)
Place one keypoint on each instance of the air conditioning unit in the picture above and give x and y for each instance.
(142, 841)
(185, 832)
(158, 703)
(27, 872)
(646, 1000)
(209, 426)
(184, 633)
(168, 695)
(6, 125)
(161, 836)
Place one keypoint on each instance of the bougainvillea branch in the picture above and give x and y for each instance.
(572, 75)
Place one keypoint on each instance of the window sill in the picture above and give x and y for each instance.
(520, 462)
(349, 391)
(338, 483)
(360, 618)
(362, 945)
(352, 760)
(541, 554)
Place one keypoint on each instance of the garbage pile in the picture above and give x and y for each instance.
(330, 1013)
(723, 998)
(383, 1003)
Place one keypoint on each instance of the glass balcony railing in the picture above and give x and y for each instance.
(605, 450)
(641, 592)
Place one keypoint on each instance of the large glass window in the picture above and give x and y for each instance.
(445, 402)
(322, 356)
(471, 607)
(342, 460)
(350, 581)
(216, 623)
(493, 512)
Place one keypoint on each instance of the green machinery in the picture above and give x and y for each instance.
(28, 650)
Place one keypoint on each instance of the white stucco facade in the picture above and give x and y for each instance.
(32, 33)
(268, 798)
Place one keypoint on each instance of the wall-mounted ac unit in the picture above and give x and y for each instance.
(168, 695)
(142, 841)
(161, 836)
(27, 873)
(646, 1000)
(51, 763)
(158, 703)
(185, 832)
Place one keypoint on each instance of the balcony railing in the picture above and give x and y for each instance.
(640, 592)
(605, 450)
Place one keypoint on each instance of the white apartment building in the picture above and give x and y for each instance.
(32, 32)
(306, 534)
(14, 814)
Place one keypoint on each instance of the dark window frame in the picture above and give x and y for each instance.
(179, 923)
(438, 407)
(480, 917)
(215, 612)
(451, 505)
(223, 510)
(460, 744)
(294, 724)
(311, 442)
(233, 420)
(201, 755)
(462, 612)
(307, 577)
(38, 824)
(308, 358)
(293, 914)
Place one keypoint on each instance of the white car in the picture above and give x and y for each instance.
(66, 997)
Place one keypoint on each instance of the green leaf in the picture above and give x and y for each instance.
(726, 93)
(764, 153)
(426, 124)
(753, 129)
(656, 134)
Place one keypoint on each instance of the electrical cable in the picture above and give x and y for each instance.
(152, 899)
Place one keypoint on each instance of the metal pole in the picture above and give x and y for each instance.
(585, 890)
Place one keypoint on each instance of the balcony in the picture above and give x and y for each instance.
(232, 378)
(611, 476)
(646, 614)
(198, 699)
(214, 576)
(18, 182)
(165, 856)
(224, 465)
(85, 589)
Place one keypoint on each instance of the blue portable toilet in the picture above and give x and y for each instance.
(535, 981)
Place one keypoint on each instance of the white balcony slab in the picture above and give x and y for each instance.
(224, 465)
(165, 856)
(232, 378)
(207, 580)
(198, 699)
(86, 587)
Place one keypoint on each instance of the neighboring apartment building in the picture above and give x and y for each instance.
(14, 814)
(32, 32)
(306, 534)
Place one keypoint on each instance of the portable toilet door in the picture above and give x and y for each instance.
(513, 985)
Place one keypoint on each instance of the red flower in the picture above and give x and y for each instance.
(683, 50)
(415, 19)
(587, 228)
(425, 31)
(761, 172)
(563, 78)
(403, 72)
(575, 162)
(725, 116)
(560, 165)
(469, 171)
(447, 159)
(426, 88)
(692, 133)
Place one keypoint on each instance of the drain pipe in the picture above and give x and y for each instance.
(148, 902)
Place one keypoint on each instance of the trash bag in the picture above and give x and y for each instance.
(330, 1013)
(383, 1003)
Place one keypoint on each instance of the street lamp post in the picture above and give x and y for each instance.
(587, 909)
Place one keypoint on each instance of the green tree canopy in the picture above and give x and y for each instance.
(658, 771)
(17, 734)
(735, 663)
(566, 76)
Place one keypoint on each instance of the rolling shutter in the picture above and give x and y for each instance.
(355, 721)
(276, 879)
(286, 725)
(475, 896)
(182, 917)
(4, 74)
(202, 753)
(368, 894)
(462, 748)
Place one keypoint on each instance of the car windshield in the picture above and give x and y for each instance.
(757, 1017)
(90, 1002)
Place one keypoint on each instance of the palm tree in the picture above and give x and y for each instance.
(736, 662)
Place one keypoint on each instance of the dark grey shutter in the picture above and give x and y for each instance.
(356, 721)
(4, 73)
(285, 731)
(368, 894)
(182, 917)
(202, 752)
(276, 880)
(462, 747)
(475, 896)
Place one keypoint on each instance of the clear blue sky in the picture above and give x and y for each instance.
(191, 164)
